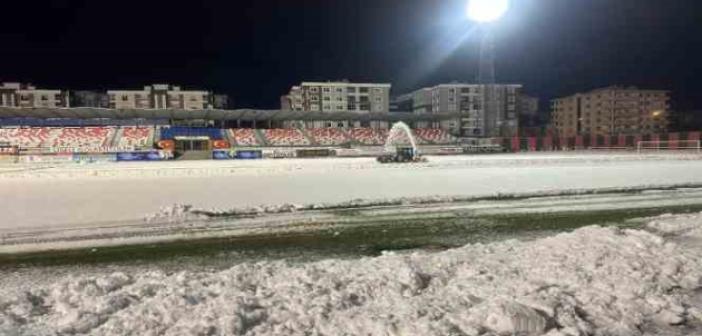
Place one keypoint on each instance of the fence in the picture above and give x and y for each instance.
(589, 142)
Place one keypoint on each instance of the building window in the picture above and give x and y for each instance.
(326, 89)
(377, 90)
(339, 90)
(125, 98)
(351, 90)
(363, 90)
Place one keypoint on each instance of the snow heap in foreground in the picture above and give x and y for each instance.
(594, 281)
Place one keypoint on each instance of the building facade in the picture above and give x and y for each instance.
(484, 110)
(90, 99)
(28, 96)
(160, 96)
(338, 97)
(611, 110)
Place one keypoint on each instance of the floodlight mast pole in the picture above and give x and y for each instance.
(486, 78)
(486, 70)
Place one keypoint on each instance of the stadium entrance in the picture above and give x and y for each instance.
(183, 145)
(193, 148)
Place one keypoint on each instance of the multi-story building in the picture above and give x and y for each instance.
(221, 101)
(528, 106)
(90, 99)
(611, 110)
(160, 96)
(338, 97)
(483, 110)
(28, 96)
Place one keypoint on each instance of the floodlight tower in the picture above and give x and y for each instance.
(484, 13)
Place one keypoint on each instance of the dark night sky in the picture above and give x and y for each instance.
(254, 50)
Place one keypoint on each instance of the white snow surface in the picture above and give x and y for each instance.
(593, 281)
(99, 194)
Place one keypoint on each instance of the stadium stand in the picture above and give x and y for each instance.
(83, 138)
(328, 136)
(135, 137)
(170, 133)
(285, 137)
(436, 136)
(368, 136)
(26, 137)
(244, 137)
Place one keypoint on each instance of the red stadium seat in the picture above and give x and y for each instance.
(328, 136)
(436, 136)
(135, 137)
(27, 137)
(368, 136)
(286, 137)
(244, 137)
(84, 138)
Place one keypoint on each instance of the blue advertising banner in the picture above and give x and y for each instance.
(141, 156)
(249, 155)
(221, 155)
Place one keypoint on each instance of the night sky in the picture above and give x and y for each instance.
(254, 50)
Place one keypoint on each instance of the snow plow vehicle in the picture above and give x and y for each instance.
(402, 155)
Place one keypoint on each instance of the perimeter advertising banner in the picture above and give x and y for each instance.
(248, 155)
(310, 153)
(237, 155)
(222, 155)
(143, 156)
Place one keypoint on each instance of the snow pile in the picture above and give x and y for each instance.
(594, 281)
(176, 213)
(676, 224)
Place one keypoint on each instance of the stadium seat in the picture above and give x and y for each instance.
(286, 137)
(135, 137)
(83, 138)
(368, 136)
(436, 136)
(328, 136)
(27, 137)
(244, 137)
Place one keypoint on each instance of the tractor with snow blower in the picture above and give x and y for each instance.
(402, 155)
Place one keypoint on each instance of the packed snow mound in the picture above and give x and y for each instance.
(594, 281)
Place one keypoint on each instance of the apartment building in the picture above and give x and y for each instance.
(338, 97)
(28, 96)
(611, 110)
(90, 99)
(483, 110)
(160, 96)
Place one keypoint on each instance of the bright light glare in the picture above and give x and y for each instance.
(486, 10)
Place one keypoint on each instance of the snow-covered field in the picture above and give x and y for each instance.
(594, 281)
(78, 195)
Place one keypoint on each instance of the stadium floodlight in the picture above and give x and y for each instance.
(485, 11)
